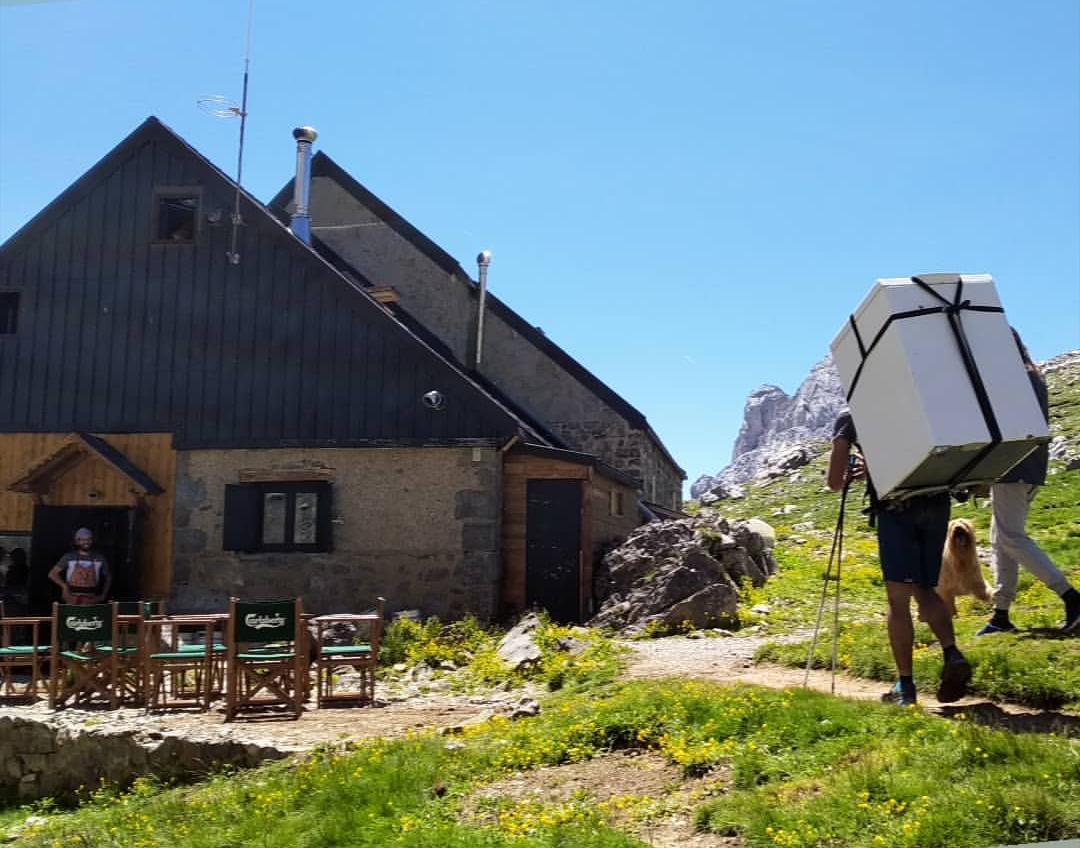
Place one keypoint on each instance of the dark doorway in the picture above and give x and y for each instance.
(114, 536)
(553, 548)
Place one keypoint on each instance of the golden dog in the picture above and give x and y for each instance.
(960, 572)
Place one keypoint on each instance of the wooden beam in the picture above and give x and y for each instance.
(385, 295)
(285, 475)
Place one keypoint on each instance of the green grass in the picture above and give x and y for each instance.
(804, 770)
(472, 649)
(1035, 667)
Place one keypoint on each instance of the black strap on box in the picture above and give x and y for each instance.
(951, 309)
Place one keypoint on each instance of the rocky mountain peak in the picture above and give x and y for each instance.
(762, 408)
(778, 428)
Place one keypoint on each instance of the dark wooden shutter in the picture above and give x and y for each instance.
(325, 532)
(242, 504)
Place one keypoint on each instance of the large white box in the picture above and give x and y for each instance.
(916, 409)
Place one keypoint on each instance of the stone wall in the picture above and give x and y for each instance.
(447, 306)
(57, 756)
(629, 450)
(419, 526)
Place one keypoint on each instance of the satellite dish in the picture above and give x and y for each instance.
(435, 400)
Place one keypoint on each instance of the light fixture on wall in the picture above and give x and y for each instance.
(435, 400)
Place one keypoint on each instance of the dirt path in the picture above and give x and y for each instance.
(435, 711)
(730, 660)
(719, 660)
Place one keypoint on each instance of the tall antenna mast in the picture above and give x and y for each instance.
(222, 107)
(234, 256)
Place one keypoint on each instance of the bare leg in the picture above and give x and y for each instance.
(901, 628)
(935, 613)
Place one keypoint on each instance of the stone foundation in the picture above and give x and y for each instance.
(57, 756)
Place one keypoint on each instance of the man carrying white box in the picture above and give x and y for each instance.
(911, 536)
(942, 402)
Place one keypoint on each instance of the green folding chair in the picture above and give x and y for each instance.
(129, 647)
(84, 663)
(266, 657)
(361, 657)
(21, 656)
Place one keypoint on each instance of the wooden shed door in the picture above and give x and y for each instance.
(553, 547)
(114, 537)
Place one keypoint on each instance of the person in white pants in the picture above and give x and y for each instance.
(1011, 499)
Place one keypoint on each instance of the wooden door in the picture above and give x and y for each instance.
(553, 547)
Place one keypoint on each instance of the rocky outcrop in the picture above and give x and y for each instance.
(1063, 372)
(686, 571)
(518, 648)
(778, 430)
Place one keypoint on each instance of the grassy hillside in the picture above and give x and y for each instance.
(1035, 666)
(771, 768)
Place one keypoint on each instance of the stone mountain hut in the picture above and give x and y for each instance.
(297, 401)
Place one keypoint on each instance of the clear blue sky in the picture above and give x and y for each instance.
(689, 197)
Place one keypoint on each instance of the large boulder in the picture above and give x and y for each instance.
(686, 570)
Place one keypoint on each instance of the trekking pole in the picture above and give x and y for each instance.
(834, 555)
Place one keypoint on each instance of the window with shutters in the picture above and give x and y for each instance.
(277, 517)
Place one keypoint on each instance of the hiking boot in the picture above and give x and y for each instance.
(954, 680)
(898, 696)
(990, 628)
(1072, 612)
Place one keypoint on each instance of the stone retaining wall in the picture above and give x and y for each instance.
(55, 757)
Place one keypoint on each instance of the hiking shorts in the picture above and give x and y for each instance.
(911, 538)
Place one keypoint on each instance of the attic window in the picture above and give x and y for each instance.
(9, 313)
(615, 502)
(177, 218)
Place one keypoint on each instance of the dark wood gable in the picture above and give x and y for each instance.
(121, 332)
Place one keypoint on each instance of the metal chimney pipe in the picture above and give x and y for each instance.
(483, 259)
(301, 220)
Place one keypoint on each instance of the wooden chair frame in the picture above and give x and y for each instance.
(183, 674)
(330, 658)
(130, 648)
(269, 672)
(92, 671)
(21, 657)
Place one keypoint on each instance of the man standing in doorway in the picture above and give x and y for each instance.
(82, 574)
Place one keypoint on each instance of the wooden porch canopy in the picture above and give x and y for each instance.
(40, 477)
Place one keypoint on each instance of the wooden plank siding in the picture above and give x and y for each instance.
(93, 482)
(599, 529)
(119, 332)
